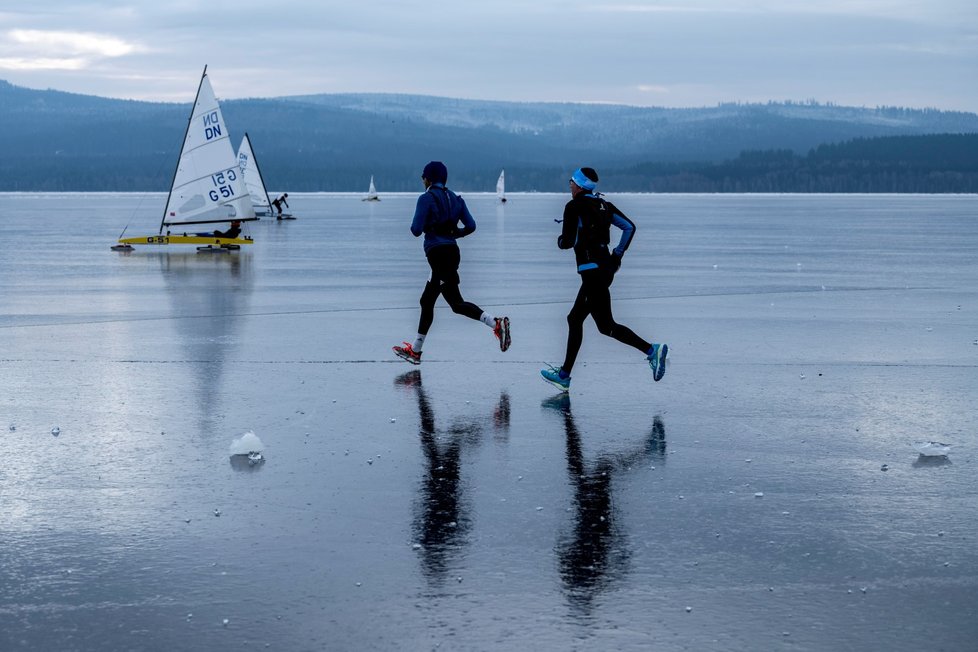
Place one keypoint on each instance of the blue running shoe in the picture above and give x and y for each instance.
(552, 376)
(657, 360)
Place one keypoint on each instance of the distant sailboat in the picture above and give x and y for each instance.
(501, 186)
(254, 182)
(372, 191)
(207, 186)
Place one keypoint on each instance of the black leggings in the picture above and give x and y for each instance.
(594, 298)
(444, 261)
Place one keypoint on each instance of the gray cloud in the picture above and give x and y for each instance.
(863, 52)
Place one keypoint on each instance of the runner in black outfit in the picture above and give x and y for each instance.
(437, 215)
(587, 229)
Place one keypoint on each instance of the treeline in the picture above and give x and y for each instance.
(943, 163)
(55, 141)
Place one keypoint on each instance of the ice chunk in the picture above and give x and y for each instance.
(56, 431)
(246, 444)
(932, 448)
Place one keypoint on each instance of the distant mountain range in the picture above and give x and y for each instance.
(51, 141)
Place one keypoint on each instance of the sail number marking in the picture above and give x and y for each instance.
(222, 185)
(212, 125)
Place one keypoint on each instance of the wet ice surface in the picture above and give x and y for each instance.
(739, 504)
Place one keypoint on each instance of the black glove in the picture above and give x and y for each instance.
(615, 263)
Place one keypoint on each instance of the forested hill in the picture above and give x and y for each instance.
(51, 140)
(942, 163)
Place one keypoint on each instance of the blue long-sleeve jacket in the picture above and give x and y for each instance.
(437, 215)
(587, 230)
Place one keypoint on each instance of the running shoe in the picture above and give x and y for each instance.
(657, 360)
(408, 353)
(552, 376)
(501, 331)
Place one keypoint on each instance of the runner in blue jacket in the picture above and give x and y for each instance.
(443, 218)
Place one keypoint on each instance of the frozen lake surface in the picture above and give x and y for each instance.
(766, 495)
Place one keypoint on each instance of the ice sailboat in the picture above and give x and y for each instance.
(207, 185)
(372, 191)
(501, 186)
(253, 180)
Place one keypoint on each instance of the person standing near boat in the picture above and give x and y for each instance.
(278, 204)
(443, 218)
(587, 229)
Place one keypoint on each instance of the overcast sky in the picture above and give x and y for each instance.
(917, 53)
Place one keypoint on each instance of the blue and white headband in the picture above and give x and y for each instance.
(582, 181)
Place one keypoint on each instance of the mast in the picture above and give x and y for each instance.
(182, 144)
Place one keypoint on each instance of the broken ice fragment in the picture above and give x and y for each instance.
(932, 448)
(246, 444)
(56, 431)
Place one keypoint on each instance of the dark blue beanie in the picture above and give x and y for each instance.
(435, 172)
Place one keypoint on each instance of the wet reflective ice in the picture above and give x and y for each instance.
(767, 494)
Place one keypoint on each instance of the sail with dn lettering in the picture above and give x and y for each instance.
(254, 182)
(208, 186)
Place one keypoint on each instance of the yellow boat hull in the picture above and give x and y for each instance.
(185, 239)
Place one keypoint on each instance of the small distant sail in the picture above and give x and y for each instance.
(372, 191)
(501, 186)
(254, 182)
(207, 185)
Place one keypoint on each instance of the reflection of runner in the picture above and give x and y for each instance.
(438, 214)
(442, 518)
(595, 554)
(587, 229)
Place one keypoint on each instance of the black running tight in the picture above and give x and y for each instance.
(594, 298)
(444, 262)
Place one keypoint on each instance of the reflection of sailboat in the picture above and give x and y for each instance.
(595, 553)
(501, 187)
(209, 297)
(372, 191)
(207, 187)
(251, 173)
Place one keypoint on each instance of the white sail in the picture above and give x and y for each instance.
(207, 185)
(252, 177)
(372, 191)
(501, 185)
